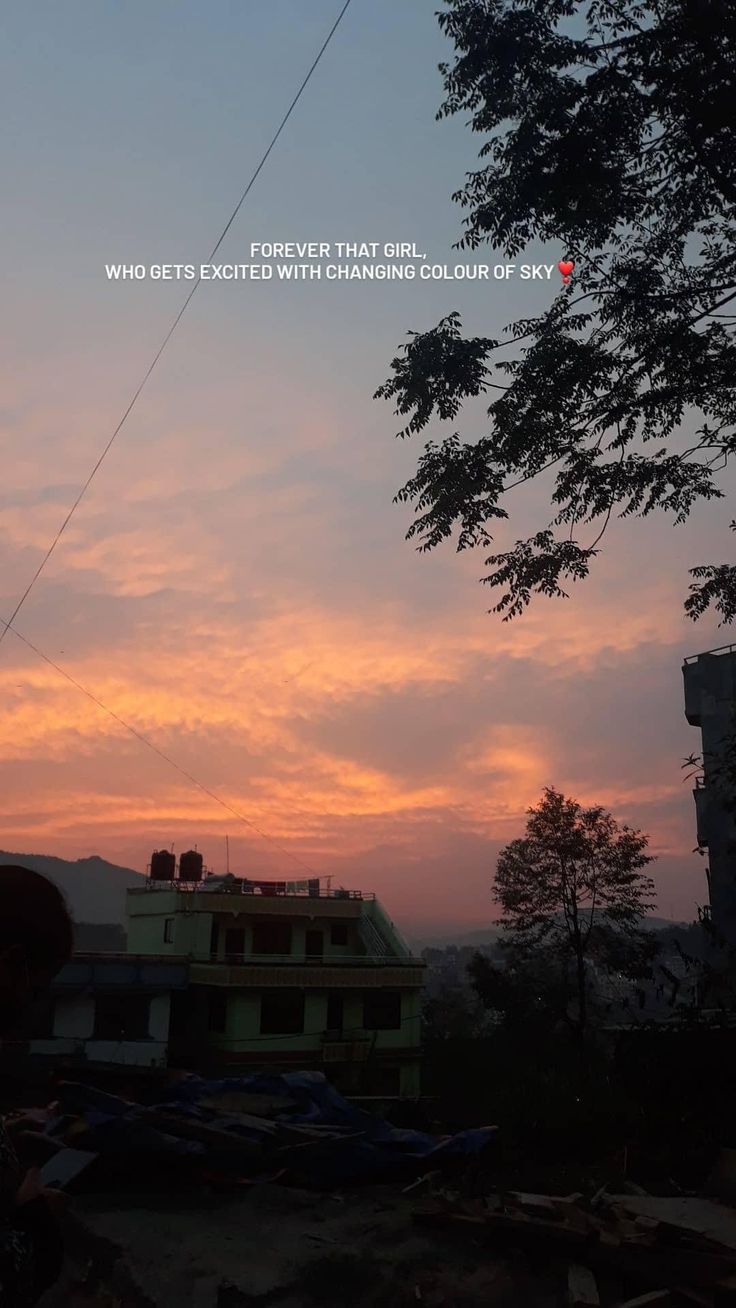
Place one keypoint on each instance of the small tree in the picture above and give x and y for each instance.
(573, 894)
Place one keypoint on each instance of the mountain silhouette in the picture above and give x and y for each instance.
(94, 889)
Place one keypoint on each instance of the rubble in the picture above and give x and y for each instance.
(721, 1183)
(657, 1299)
(582, 1290)
(246, 1130)
(685, 1215)
(665, 1250)
(600, 1246)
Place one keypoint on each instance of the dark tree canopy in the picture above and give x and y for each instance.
(609, 128)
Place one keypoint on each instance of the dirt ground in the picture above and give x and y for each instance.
(282, 1246)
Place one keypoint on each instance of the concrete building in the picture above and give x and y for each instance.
(710, 704)
(112, 1009)
(233, 975)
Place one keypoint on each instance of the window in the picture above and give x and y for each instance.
(338, 935)
(314, 945)
(382, 1010)
(217, 1011)
(214, 937)
(282, 1012)
(235, 942)
(272, 938)
(169, 931)
(121, 1017)
(334, 1012)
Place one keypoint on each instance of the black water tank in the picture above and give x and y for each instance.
(163, 865)
(191, 866)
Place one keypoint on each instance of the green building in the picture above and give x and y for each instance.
(225, 974)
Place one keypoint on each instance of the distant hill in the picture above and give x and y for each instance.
(94, 889)
(99, 938)
(483, 936)
(490, 934)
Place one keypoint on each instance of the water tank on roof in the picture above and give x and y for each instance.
(191, 866)
(163, 865)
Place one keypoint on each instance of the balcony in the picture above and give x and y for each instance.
(172, 897)
(127, 971)
(347, 1047)
(269, 970)
(309, 960)
(702, 797)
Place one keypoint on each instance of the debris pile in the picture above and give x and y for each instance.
(294, 1126)
(656, 1252)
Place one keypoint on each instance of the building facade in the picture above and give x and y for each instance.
(229, 975)
(114, 1009)
(710, 704)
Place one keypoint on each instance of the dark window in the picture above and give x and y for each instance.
(217, 1010)
(169, 931)
(334, 1012)
(382, 1010)
(235, 942)
(314, 944)
(272, 938)
(282, 1012)
(214, 936)
(339, 935)
(121, 1017)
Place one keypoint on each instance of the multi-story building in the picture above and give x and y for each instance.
(710, 703)
(229, 974)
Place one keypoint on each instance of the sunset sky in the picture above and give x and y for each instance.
(236, 584)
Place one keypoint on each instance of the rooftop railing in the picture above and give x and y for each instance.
(720, 649)
(243, 888)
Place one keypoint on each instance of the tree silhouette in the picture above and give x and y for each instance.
(609, 129)
(574, 896)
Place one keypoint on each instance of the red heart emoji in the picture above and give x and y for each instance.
(566, 266)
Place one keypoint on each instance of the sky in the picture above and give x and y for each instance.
(236, 585)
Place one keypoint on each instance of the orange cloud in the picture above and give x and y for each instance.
(238, 600)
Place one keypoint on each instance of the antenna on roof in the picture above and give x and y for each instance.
(227, 854)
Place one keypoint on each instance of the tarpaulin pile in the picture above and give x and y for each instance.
(294, 1125)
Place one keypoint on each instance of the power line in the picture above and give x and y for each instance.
(170, 332)
(166, 757)
(7, 626)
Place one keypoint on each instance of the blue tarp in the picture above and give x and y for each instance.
(372, 1146)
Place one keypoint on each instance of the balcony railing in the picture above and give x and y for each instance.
(310, 960)
(720, 649)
